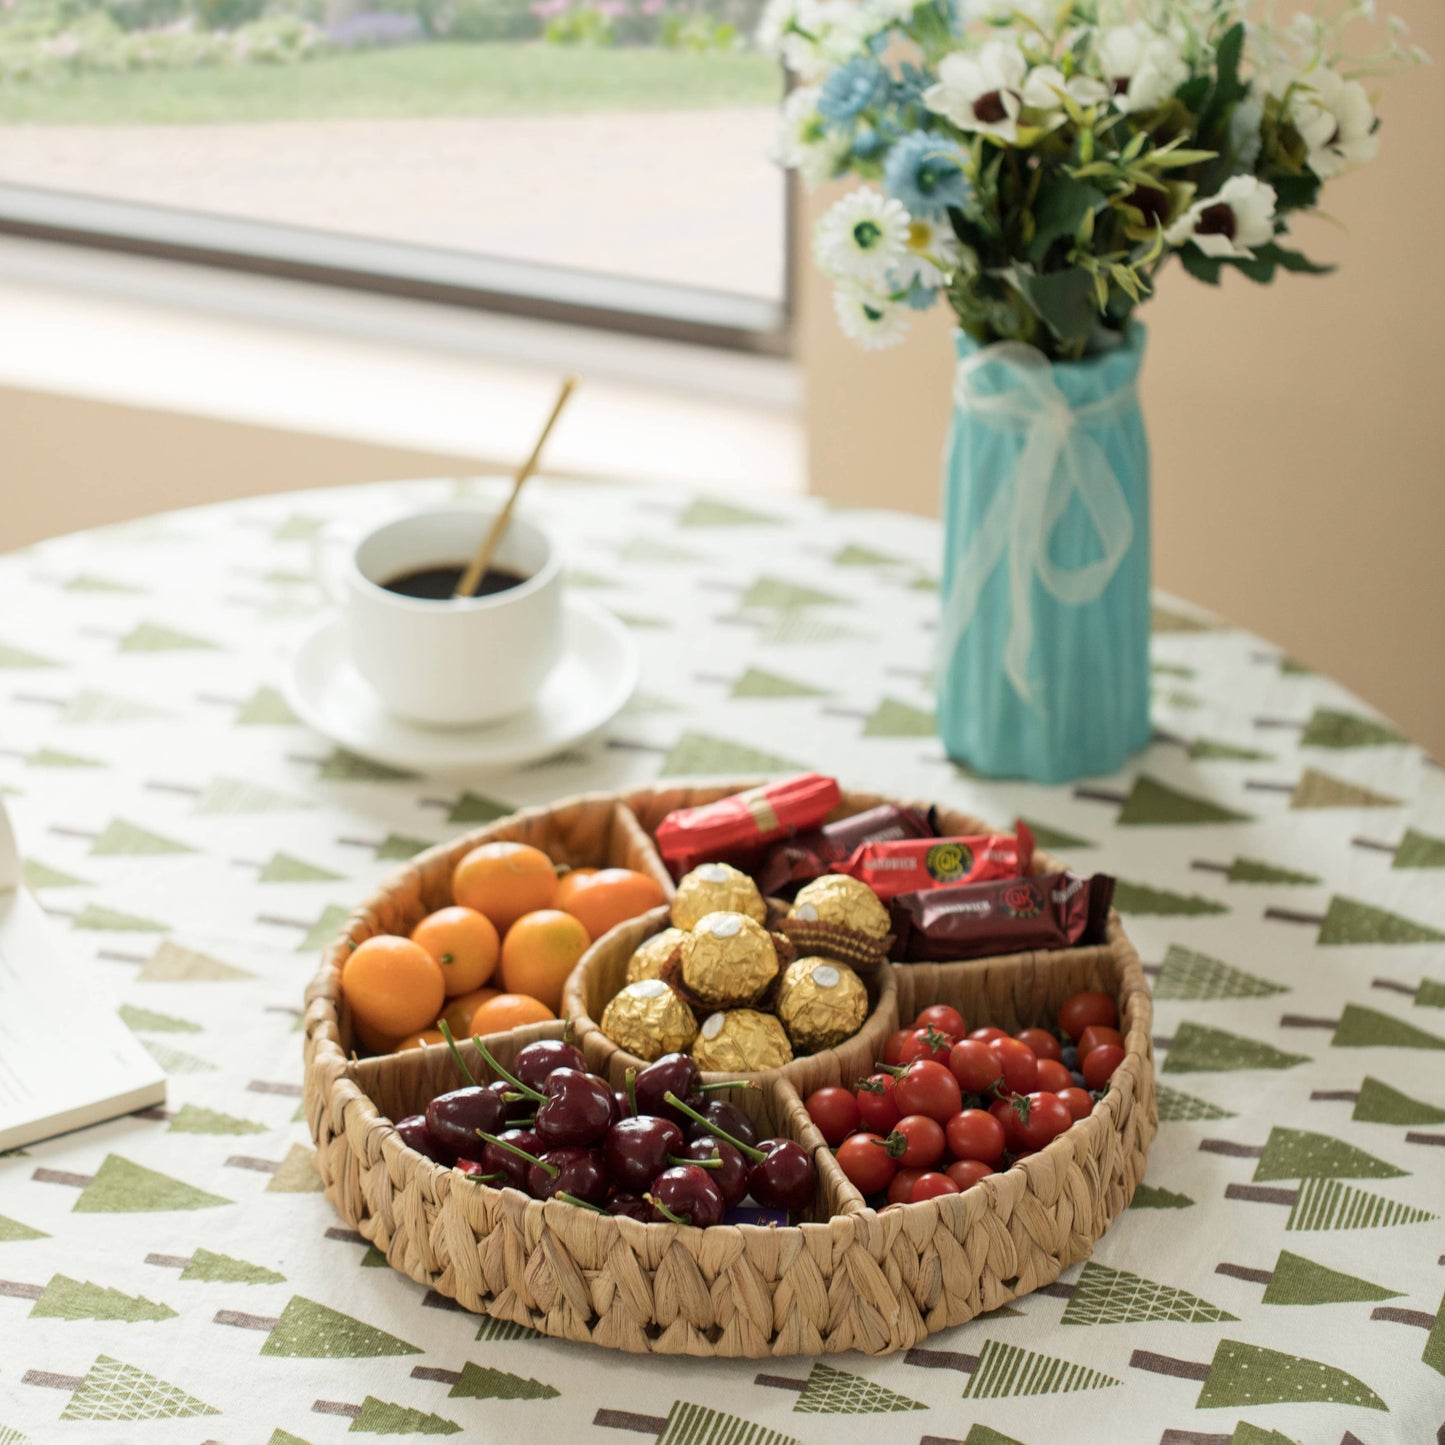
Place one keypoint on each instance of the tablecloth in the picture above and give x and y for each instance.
(178, 1277)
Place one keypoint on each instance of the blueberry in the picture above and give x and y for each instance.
(1070, 1056)
(1078, 1079)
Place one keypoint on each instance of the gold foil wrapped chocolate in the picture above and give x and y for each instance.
(728, 958)
(836, 898)
(648, 1019)
(821, 1003)
(716, 888)
(652, 953)
(741, 1041)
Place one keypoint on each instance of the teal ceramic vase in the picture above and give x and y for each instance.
(1043, 656)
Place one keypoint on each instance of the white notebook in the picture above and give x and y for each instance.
(66, 1059)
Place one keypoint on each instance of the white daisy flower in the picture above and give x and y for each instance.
(773, 25)
(1336, 121)
(871, 318)
(1228, 225)
(982, 92)
(933, 254)
(1046, 82)
(1245, 139)
(1140, 66)
(811, 37)
(805, 142)
(862, 237)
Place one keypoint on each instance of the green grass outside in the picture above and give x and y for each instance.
(421, 80)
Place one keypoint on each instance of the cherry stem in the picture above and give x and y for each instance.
(580, 1203)
(726, 1084)
(446, 1030)
(714, 1163)
(483, 1178)
(551, 1169)
(746, 1150)
(497, 1069)
(632, 1089)
(666, 1213)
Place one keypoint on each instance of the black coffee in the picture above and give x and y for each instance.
(435, 584)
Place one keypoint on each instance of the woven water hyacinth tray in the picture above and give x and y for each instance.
(845, 1277)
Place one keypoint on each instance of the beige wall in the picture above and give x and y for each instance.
(1298, 431)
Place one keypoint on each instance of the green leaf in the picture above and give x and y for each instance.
(1064, 300)
(1288, 260)
(1201, 267)
(1295, 192)
(1060, 211)
(1227, 88)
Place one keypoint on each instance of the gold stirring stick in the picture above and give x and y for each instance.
(477, 568)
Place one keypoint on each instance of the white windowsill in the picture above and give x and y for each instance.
(414, 375)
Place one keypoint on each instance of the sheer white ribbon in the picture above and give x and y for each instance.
(1059, 460)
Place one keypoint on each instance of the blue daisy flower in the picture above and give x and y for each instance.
(925, 172)
(852, 89)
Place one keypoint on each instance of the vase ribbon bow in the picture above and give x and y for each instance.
(1059, 459)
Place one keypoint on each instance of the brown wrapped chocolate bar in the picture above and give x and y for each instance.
(1009, 915)
(810, 855)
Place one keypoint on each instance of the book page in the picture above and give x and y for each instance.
(49, 1000)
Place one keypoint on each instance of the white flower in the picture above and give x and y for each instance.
(933, 253)
(773, 25)
(1336, 121)
(982, 92)
(813, 36)
(1245, 140)
(871, 318)
(1140, 66)
(862, 237)
(805, 142)
(1035, 10)
(1229, 224)
(891, 12)
(1045, 82)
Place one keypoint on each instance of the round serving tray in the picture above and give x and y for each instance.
(847, 1276)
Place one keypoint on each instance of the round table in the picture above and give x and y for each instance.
(1278, 853)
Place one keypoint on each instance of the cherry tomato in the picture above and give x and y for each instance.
(1043, 1043)
(921, 1141)
(1077, 1102)
(975, 1066)
(864, 1159)
(1020, 1067)
(877, 1107)
(901, 1190)
(1084, 1009)
(944, 1018)
(835, 1112)
(1006, 1111)
(967, 1172)
(1100, 1065)
(930, 1186)
(928, 1088)
(1095, 1035)
(895, 1044)
(925, 1044)
(976, 1135)
(1054, 1076)
(988, 1034)
(1048, 1117)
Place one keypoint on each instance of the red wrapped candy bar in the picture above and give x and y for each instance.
(1010, 915)
(915, 865)
(810, 855)
(717, 831)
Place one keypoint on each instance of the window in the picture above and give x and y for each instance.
(594, 160)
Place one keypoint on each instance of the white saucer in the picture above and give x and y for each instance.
(588, 687)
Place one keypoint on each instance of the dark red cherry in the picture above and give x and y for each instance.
(514, 1108)
(784, 1178)
(685, 1195)
(536, 1062)
(730, 1176)
(497, 1159)
(632, 1206)
(567, 1170)
(672, 1073)
(578, 1110)
(415, 1134)
(474, 1170)
(637, 1150)
(453, 1119)
(722, 1115)
(623, 1103)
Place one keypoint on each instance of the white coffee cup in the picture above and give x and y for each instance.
(456, 662)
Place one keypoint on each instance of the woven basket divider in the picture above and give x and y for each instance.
(855, 1280)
